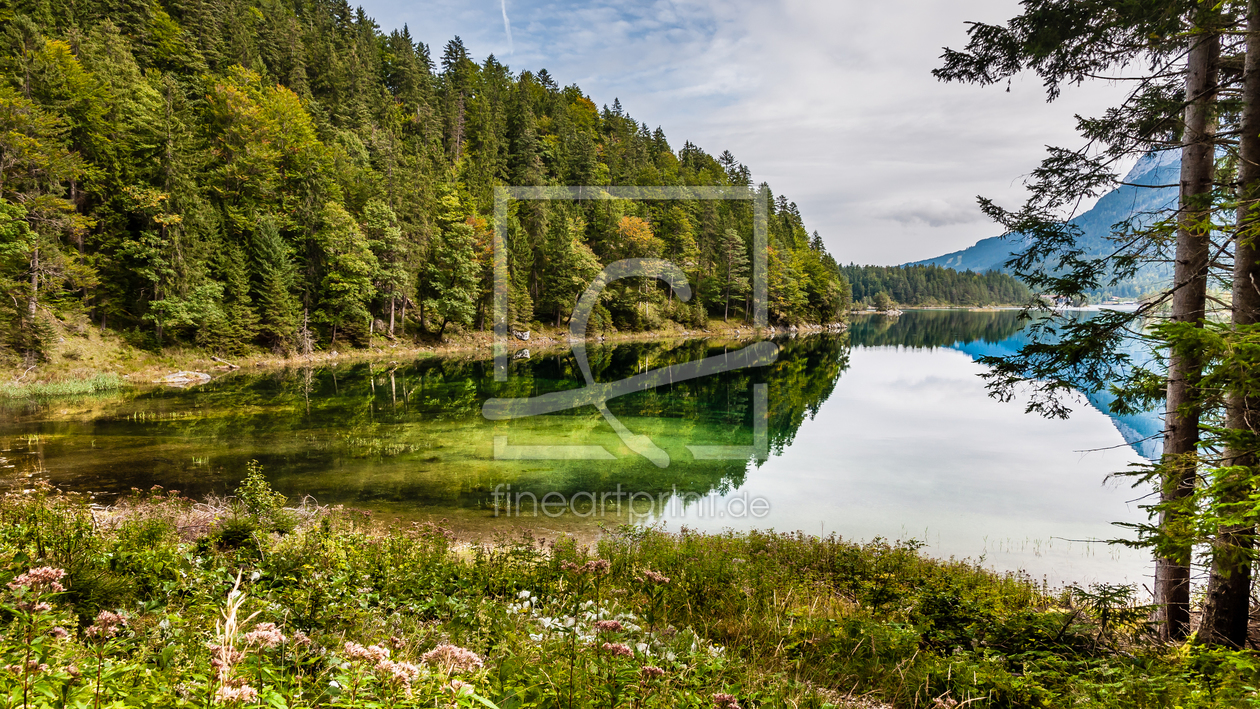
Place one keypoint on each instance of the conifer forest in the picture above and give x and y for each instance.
(291, 176)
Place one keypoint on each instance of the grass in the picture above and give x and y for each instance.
(243, 602)
(94, 384)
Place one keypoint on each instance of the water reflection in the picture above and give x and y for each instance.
(883, 431)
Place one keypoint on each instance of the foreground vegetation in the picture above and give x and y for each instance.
(162, 602)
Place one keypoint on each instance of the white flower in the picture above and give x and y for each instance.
(523, 595)
(641, 647)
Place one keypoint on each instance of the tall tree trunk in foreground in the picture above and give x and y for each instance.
(1181, 423)
(1227, 601)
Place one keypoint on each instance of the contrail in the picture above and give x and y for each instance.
(507, 26)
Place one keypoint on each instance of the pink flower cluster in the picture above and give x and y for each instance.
(618, 650)
(372, 653)
(42, 579)
(608, 626)
(452, 659)
(655, 577)
(34, 667)
(725, 701)
(238, 693)
(399, 673)
(106, 625)
(595, 566)
(652, 672)
(223, 659)
(264, 635)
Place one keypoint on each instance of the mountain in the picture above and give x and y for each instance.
(1095, 224)
(1142, 430)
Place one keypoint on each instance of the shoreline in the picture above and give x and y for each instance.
(115, 366)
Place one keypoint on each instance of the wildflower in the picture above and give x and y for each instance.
(608, 626)
(73, 671)
(106, 625)
(655, 577)
(618, 650)
(223, 659)
(595, 566)
(59, 633)
(33, 667)
(397, 642)
(458, 688)
(264, 635)
(399, 673)
(652, 672)
(452, 658)
(724, 701)
(300, 639)
(243, 693)
(42, 579)
(372, 653)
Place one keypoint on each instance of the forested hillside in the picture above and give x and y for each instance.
(247, 173)
(933, 285)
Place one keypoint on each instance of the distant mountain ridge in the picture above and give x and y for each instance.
(1117, 205)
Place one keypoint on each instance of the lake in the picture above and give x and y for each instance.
(883, 431)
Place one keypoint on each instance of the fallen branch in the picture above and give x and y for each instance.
(224, 361)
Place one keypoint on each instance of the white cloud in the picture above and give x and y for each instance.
(932, 212)
(507, 26)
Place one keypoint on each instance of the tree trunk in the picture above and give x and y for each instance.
(32, 303)
(1227, 601)
(1181, 422)
(392, 303)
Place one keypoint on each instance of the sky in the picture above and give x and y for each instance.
(830, 101)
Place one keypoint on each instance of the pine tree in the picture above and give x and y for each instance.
(349, 269)
(393, 282)
(1066, 42)
(733, 262)
(450, 273)
(275, 277)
